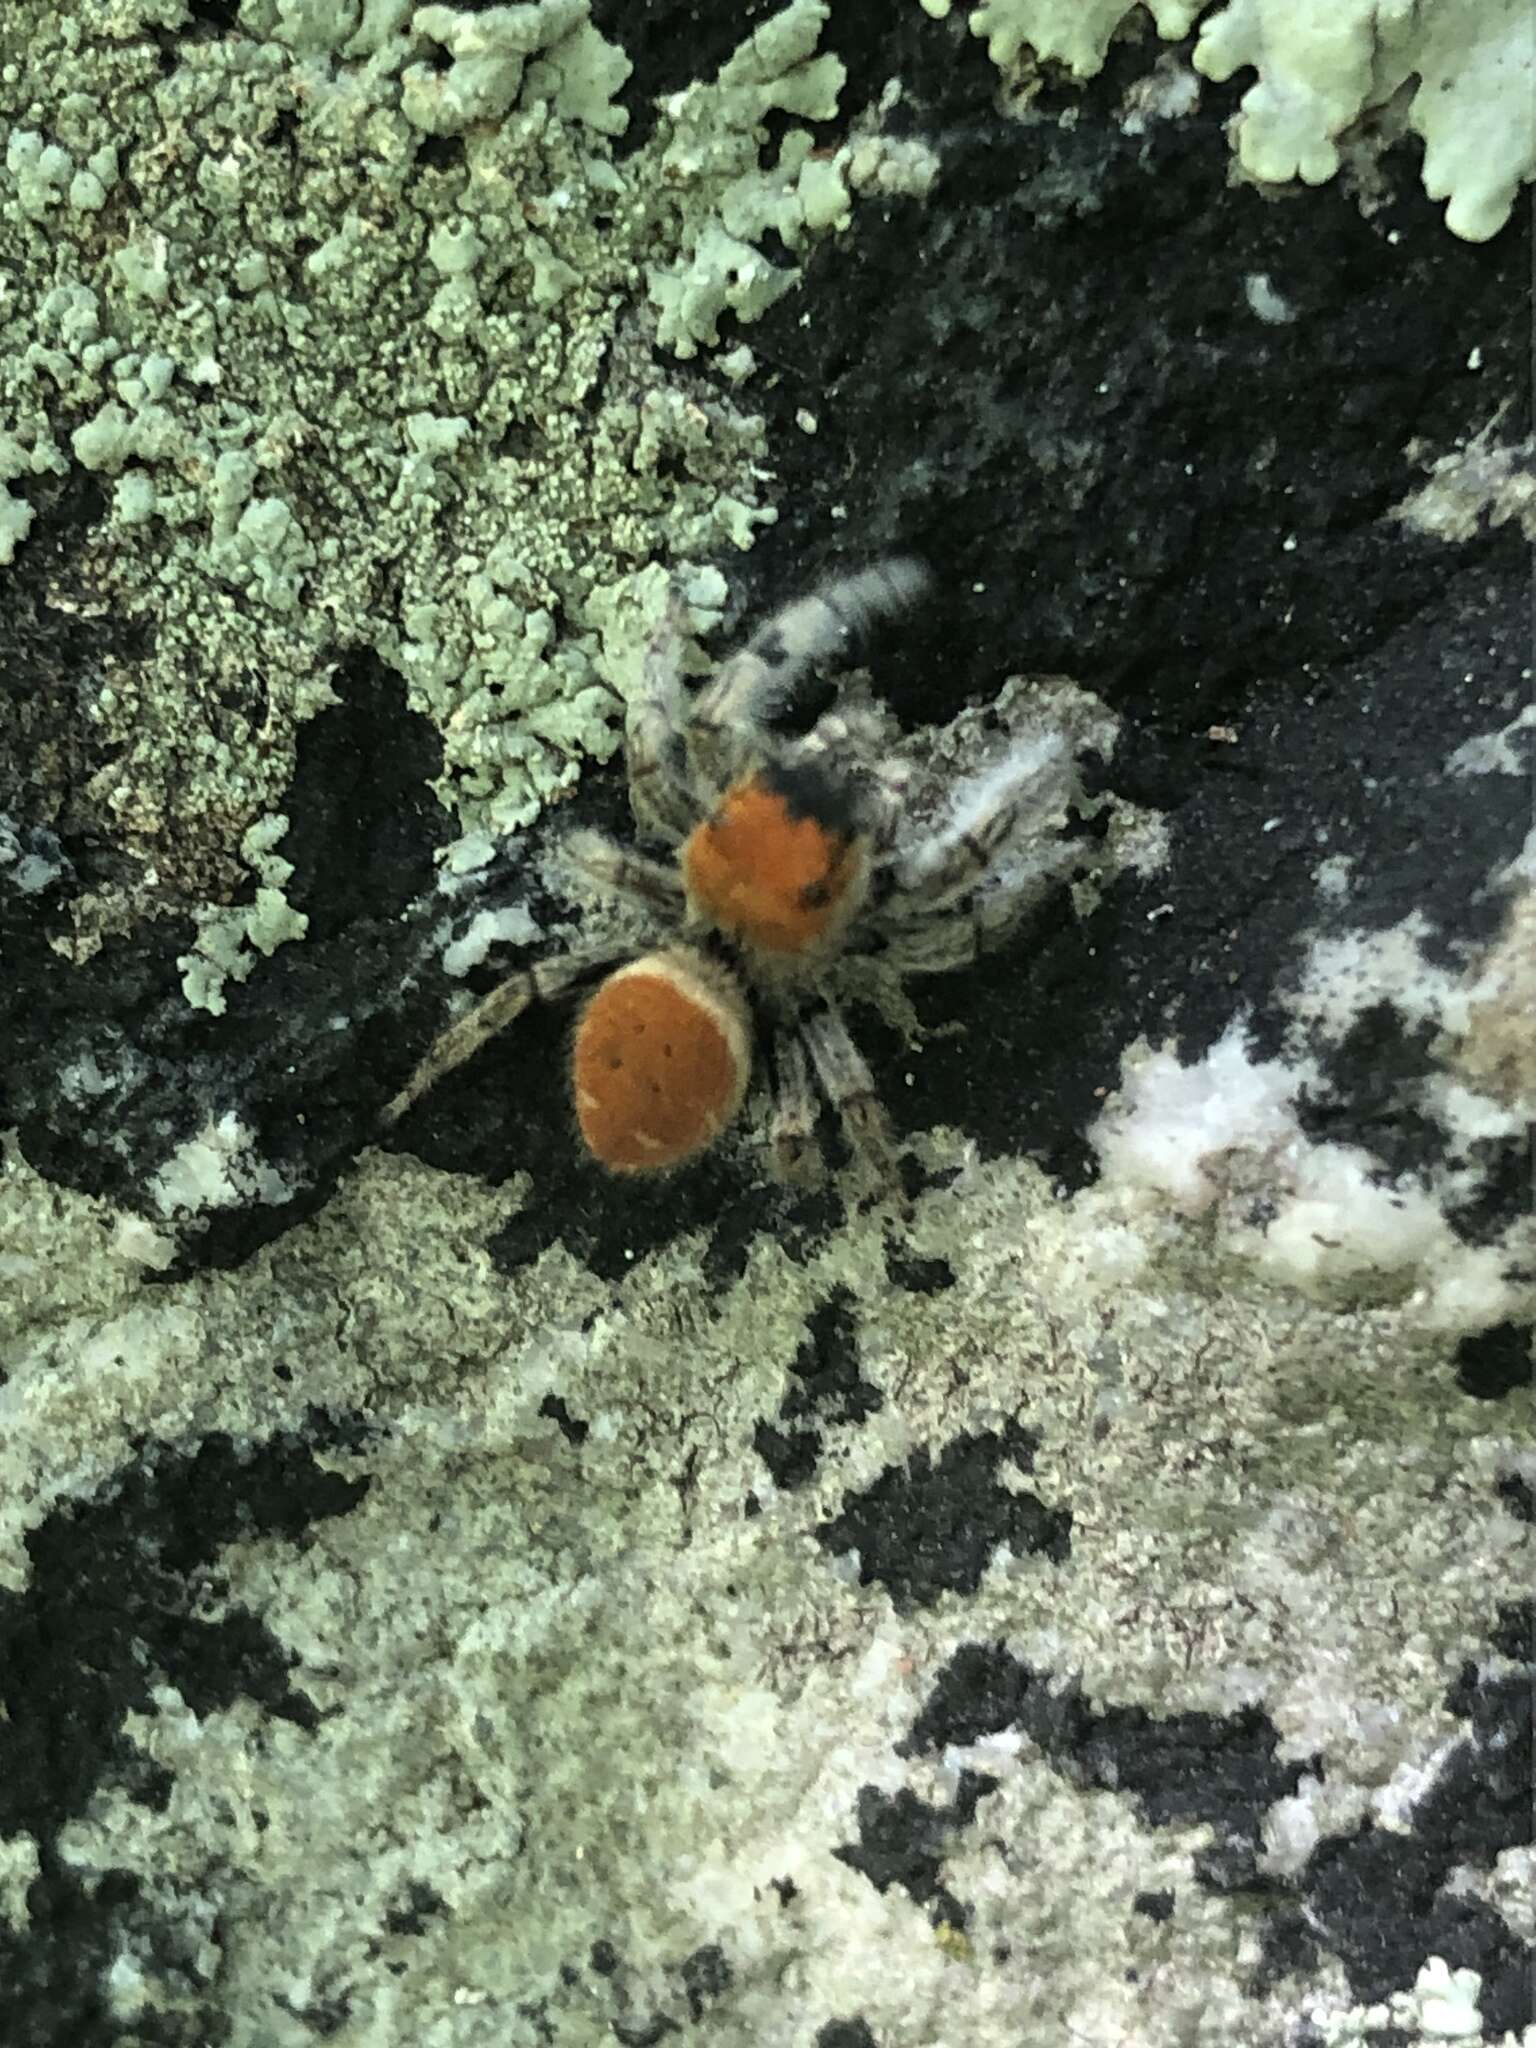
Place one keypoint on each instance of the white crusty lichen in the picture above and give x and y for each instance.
(1276, 1504)
(367, 368)
(1482, 479)
(1220, 1138)
(1497, 1050)
(1320, 65)
(216, 1168)
(1442, 2007)
(19, 1864)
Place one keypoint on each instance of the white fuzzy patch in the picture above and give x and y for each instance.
(1034, 774)
(1350, 972)
(1495, 753)
(1171, 1122)
(512, 926)
(1220, 1138)
(216, 1169)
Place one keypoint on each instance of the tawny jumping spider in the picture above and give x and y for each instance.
(788, 857)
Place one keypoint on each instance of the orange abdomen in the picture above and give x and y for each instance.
(659, 1064)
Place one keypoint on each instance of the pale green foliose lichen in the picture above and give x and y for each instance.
(1071, 32)
(713, 147)
(1320, 65)
(351, 310)
(28, 451)
(222, 949)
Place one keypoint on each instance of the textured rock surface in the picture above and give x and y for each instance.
(446, 1599)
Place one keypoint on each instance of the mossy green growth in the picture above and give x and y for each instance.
(351, 308)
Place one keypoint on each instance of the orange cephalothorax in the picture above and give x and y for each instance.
(660, 1062)
(778, 878)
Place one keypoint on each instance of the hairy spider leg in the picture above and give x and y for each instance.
(660, 798)
(951, 861)
(543, 982)
(844, 1074)
(653, 885)
(793, 1125)
(829, 624)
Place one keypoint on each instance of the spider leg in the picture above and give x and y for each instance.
(659, 795)
(952, 938)
(760, 677)
(541, 983)
(953, 860)
(935, 940)
(654, 885)
(791, 1133)
(844, 1074)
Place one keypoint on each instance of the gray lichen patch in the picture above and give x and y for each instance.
(1496, 1051)
(346, 312)
(64, 1260)
(1094, 1840)
(588, 1676)
(1485, 479)
(18, 1867)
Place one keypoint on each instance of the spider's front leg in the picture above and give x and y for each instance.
(827, 626)
(985, 814)
(652, 885)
